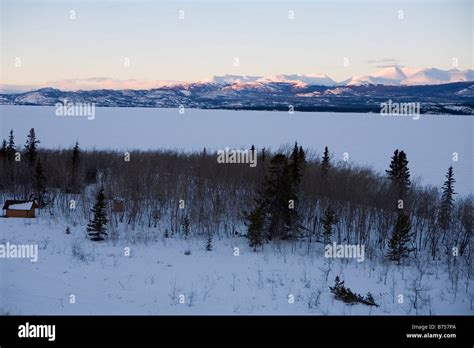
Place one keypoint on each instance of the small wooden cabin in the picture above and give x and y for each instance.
(20, 209)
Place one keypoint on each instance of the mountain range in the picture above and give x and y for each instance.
(390, 76)
(437, 92)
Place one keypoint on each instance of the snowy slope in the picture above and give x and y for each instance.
(309, 79)
(436, 76)
(396, 76)
(229, 79)
(393, 76)
(151, 280)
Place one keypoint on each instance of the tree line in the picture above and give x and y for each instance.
(292, 195)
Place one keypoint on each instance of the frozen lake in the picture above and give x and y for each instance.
(369, 139)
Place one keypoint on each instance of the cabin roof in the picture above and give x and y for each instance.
(19, 205)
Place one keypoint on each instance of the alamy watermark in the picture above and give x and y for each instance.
(345, 251)
(237, 156)
(28, 330)
(19, 251)
(67, 108)
(392, 108)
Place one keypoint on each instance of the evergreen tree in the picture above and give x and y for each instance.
(342, 293)
(302, 158)
(9, 155)
(185, 227)
(325, 163)
(401, 237)
(346, 295)
(73, 185)
(277, 196)
(4, 146)
(255, 228)
(3, 150)
(40, 184)
(329, 219)
(275, 215)
(297, 161)
(447, 200)
(209, 242)
(97, 226)
(11, 148)
(297, 165)
(325, 169)
(399, 174)
(31, 147)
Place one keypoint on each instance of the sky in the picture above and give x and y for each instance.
(43, 40)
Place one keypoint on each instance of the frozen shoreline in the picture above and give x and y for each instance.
(368, 139)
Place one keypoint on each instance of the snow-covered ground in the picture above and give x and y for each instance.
(157, 273)
(368, 139)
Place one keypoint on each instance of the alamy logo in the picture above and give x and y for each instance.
(237, 156)
(391, 108)
(75, 109)
(345, 251)
(19, 251)
(37, 331)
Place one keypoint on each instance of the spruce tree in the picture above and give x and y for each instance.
(297, 161)
(297, 165)
(40, 184)
(255, 228)
(404, 176)
(346, 295)
(185, 227)
(302, 155)
(275, 215)
(399, 174)
(401, 237)
(277, 196)
(11, 148)
(447, 200)
(209, 242)
(325, 169)
(31, 147)
(3, 158)
(4, 148)
(328, 220)
(325, 163)
(73, 185)
(97, 226)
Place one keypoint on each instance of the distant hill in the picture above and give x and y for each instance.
(266, 94)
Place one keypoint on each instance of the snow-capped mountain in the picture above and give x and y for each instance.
(435, 76)
(398, 76)
(300, 79)
(309, 79)
(439, 91)
(229, 79)
(391, 76)
(452, 98)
